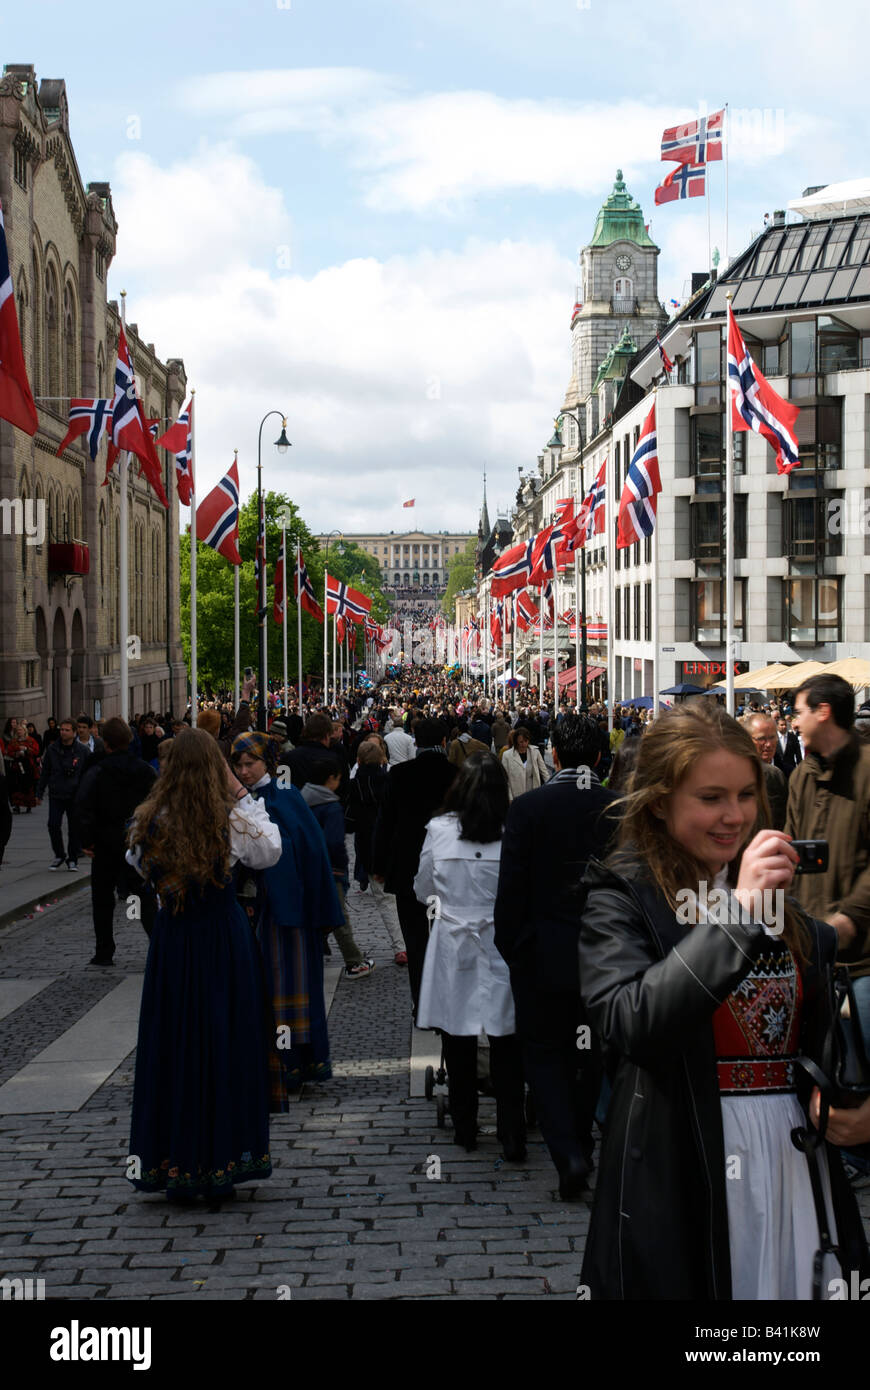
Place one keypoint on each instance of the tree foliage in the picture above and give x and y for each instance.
(460, 576)
(215, 596)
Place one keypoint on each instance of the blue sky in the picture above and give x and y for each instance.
(368, 214)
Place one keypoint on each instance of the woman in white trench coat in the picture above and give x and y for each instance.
(466, 984)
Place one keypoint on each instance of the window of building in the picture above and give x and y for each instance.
(708, 366)
(818, 430)
(626, 611)
(708, 450)
(637, 612)
(708, 616)
(19, 165)
(707, 516)
(839, 346)
(802, 341)
(807, 528)
(647, 550)
(100, 264)
(69, 343)
(617, 614)
(52, 356)
(647, 612)
(637, 552)
(811, 609)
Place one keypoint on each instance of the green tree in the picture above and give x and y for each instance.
(460, 576)
(215, 587)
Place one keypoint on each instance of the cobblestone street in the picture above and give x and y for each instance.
(349, 1211)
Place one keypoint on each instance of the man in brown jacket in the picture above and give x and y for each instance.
(829, 799)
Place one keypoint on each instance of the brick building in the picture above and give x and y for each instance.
(59, 629)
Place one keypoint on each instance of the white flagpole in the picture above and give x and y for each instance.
(555, 641)
(609, 485)
(334, 655)
(325, 631)
(194, 682)
(512, 600)
(542, 680)
(284, 596)
(726, 135)
(236, 634)
(578, 672)
(299, 620)
(262, 599)
(654, 594)
(729, 539)
(123, 577)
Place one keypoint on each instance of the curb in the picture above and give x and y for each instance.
(16, 914)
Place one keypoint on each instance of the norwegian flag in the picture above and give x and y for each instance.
(178, 440)
(568, 616)
(129, 426)
(341, 626)
(217, 517)
(637, 505)
(512, 569)
(371, 629)
(495, 625)
(89, 417)
(597, 631)
(594, 507)
(16, 399)
(547, 543)
(699, 142)
(308, 600)
(756, 406)
(666, 361)
(527, 611)
(345, 602)
(686, 181)
(278, 601)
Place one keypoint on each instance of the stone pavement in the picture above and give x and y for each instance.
(349, 1211)
(27, 885)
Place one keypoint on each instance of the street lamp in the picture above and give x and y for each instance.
(282, 444)
(340, 549)
(581, 617)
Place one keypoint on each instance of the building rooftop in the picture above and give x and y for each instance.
(620, 218)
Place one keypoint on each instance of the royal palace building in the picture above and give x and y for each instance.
(59, 593)
(412, 560)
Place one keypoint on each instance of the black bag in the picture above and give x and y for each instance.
(842, 1075)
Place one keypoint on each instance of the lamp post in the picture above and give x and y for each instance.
(340, 549)
(282, 444)
(581, 616)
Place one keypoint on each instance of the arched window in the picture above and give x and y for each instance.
(70, 362)
(101, 373)
(76, 519)
(24, 546)
(36, 378)
(623, 288)
(116, 560)
(102, 543)
(52, 355)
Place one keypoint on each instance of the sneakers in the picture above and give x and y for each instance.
(401, 958)
(357, 972)
(73, 865)
(56, 864)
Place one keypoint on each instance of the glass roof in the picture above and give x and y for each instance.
(797, 267)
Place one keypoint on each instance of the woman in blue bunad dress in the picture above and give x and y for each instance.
(200, 1122)
(296, 902)
(706, 983)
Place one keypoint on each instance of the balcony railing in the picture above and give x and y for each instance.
(623, 306)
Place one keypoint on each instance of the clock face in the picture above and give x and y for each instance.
(623, 262)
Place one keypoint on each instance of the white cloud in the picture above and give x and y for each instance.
(404, 377)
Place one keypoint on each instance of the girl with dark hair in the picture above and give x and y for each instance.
(466, 985)
(200, 1121)
(705, 985)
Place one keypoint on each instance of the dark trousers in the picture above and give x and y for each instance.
(506, 1071)
(564, 1079)
(415, 934)
(5, 818)
(110, 874)
(57, 809)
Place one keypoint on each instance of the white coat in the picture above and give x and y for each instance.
(466, 984)
(524, 776)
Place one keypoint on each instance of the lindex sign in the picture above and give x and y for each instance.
(713, 668)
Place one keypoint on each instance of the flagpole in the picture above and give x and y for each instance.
(555, 640)
(729, 536)
(727, 137)
(334, 655)
(299, 619)
(284, 597)
(579, 647)
(236, 634)
(325, 625)
(194, 683)
(123, 577)
(609, 484)
(512, 599)
(542, 680)
(654, 597)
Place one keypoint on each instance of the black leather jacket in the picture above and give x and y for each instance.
(650, 986)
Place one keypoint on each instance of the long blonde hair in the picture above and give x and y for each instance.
(183, 824)
(668, 751)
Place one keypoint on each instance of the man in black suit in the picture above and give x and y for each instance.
(414, 794)
(788, 750)
(549, 836)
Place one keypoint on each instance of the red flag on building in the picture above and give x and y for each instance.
(178, 440)
(16, 400)
(129, 428)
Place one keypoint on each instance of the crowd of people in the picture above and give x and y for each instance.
(587, 903)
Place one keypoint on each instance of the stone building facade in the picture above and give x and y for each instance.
(410, 559)
(59, 630)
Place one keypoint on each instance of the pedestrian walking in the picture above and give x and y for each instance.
(320, 795)
(523, 762)
(465, 987)
(367, 791)
(296, 901)
(22, 766)
(62, 768)
(110, 790)
(200, 1122)
(702, 1011)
